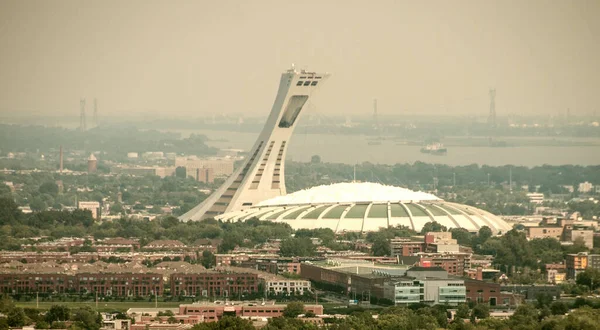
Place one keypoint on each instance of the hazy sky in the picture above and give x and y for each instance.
(211, 57)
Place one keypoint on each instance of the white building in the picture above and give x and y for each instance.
(536, 198)
(287, 286)
(585, 187)
(426, 285)
(94, 207)
(221, 167)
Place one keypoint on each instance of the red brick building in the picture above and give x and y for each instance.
(114, 284)
(487, 292)
(454, 263)
(213, 284)
(213, 312)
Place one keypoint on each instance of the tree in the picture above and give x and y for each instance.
(208, 259)
(49, 188)
(87, 318)
(462, 312)
(525, 318)
(432, 227)
(283, 323)
(462, 236)
(16, 317)
(315, 159)
(180, 172)
(42, 325)
(38, 204)
(6, 304)
(484, 233)
(9, 211)
(559, 308)
(226, 322)
(293, 309)
(590, 278)
(480, 311)
(381, 247)
(168, 312)
(297, 247)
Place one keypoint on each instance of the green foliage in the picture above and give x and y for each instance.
(50, 188)
(284, 323)
(167, 312)
(208, 259)
(462, 236)
(462, 312)
(525, 317)
(432, 227)
(293, 309)
(299, 247)
(86, 318)
(42, 325)
(559, 308)
(590, 278)
(381, 247)
(16, 317)
(226, 322)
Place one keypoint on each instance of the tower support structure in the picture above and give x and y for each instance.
(82, 119)
(261, 176)
(492, 114)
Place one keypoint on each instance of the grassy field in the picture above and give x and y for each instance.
(102, 306)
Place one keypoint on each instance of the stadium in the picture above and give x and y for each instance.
(366, 207)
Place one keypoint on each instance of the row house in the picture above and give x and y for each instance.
(110, 284)
(211, 284)
(287, 286)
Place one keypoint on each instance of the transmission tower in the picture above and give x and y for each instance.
(492, 115)
(375, 118)
(82, 123)
(95, 112)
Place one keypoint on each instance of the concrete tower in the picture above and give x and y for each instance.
(262, 175)
(92, 164)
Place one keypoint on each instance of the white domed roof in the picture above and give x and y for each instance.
(354, 192)
(366, 207)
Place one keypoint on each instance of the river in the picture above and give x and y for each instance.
(351, 149)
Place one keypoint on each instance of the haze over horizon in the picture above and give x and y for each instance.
(189, 58)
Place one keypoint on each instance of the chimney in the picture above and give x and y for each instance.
(61, 160)
(479, 273)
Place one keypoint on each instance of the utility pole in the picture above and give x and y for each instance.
(95, 112)
(82, 121)
(510, 179)
(492, 114)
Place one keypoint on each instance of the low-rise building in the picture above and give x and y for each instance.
(587, 235)
(425, 285)
(213, 284)
(578, 262)
(287, 286)
(544, 232)
(212, 312)
(488, 293)
(110, 284)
